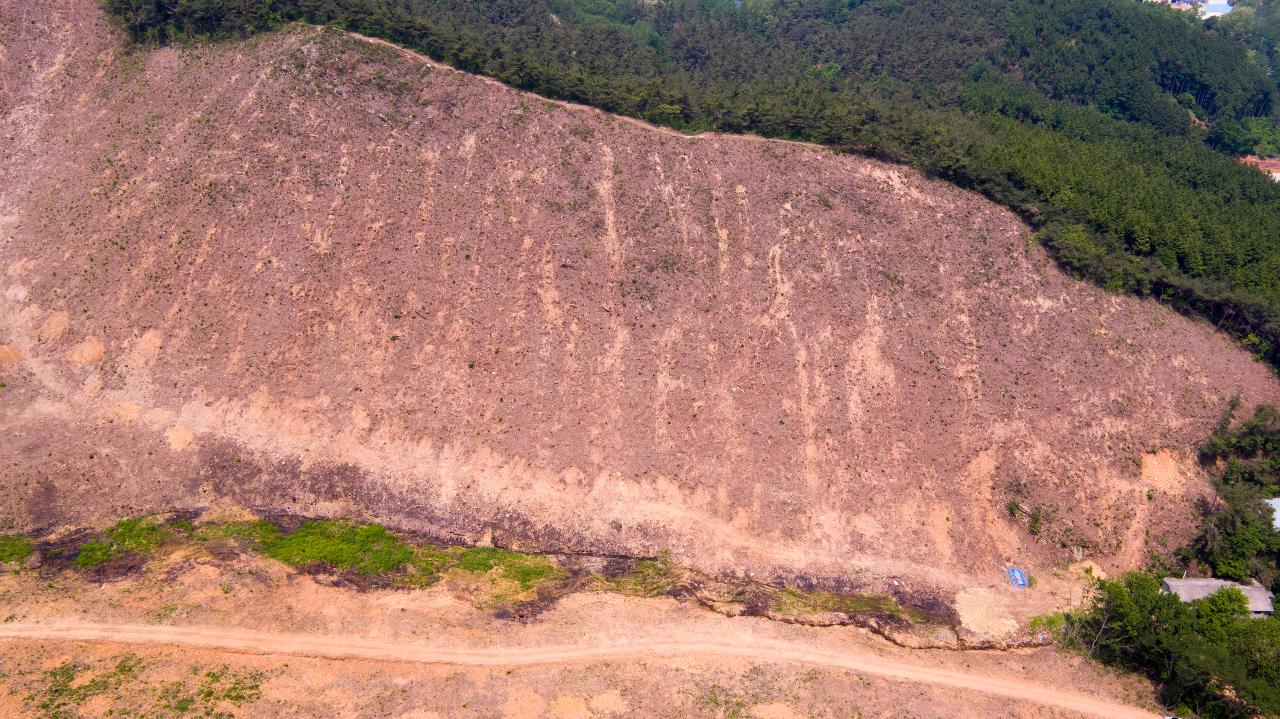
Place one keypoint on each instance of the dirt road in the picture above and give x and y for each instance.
(757, 648)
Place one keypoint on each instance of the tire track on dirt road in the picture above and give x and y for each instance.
(738, 647)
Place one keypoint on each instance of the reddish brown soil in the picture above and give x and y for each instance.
(317, 275)
(670, 688)
(434, 652)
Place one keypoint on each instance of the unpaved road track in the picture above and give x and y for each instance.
(742, 647)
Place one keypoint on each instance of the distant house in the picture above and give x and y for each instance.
(1189, 590)
(1275, 512)
(1215, 10)
(1269, 165)
(1187, 5)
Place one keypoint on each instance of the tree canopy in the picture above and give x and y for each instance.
(1238, 539)
(1208, 655)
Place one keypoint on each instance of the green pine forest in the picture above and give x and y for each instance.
(1107, 124)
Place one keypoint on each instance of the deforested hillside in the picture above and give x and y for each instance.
(314, 274)
(1106, 124)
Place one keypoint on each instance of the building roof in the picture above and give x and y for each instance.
(1268, 164)
(1275, 512)
(1192, 589)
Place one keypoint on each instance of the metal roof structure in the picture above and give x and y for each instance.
(1188, 590)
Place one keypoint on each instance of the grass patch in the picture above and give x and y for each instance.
(64, 688)
(1054, 624)
(258, 532)
(650, 578)
(215, 689)
(796, 601)
(430, 562)
(363, 548)
(139, 536)
(129, 690)
(94, 552)
(372, 549)
(526, 569)
(14, 549)
(185, 526)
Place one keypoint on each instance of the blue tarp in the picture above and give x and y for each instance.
(1017, 577)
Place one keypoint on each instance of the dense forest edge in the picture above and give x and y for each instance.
(1238, 539)
(1210, 657)
(1106, 124)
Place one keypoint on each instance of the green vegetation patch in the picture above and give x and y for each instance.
(259, 532)
(140, 536)
(1054, 624)
(491, 575)
(362, 548)
(371, 549)
(209, 693)
(14, 549)
(650, 578)
(799, 601)
(526, 569)
(94, 552)
(1250, 450)
(63, 689)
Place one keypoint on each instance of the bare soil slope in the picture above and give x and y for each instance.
(315, 274)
